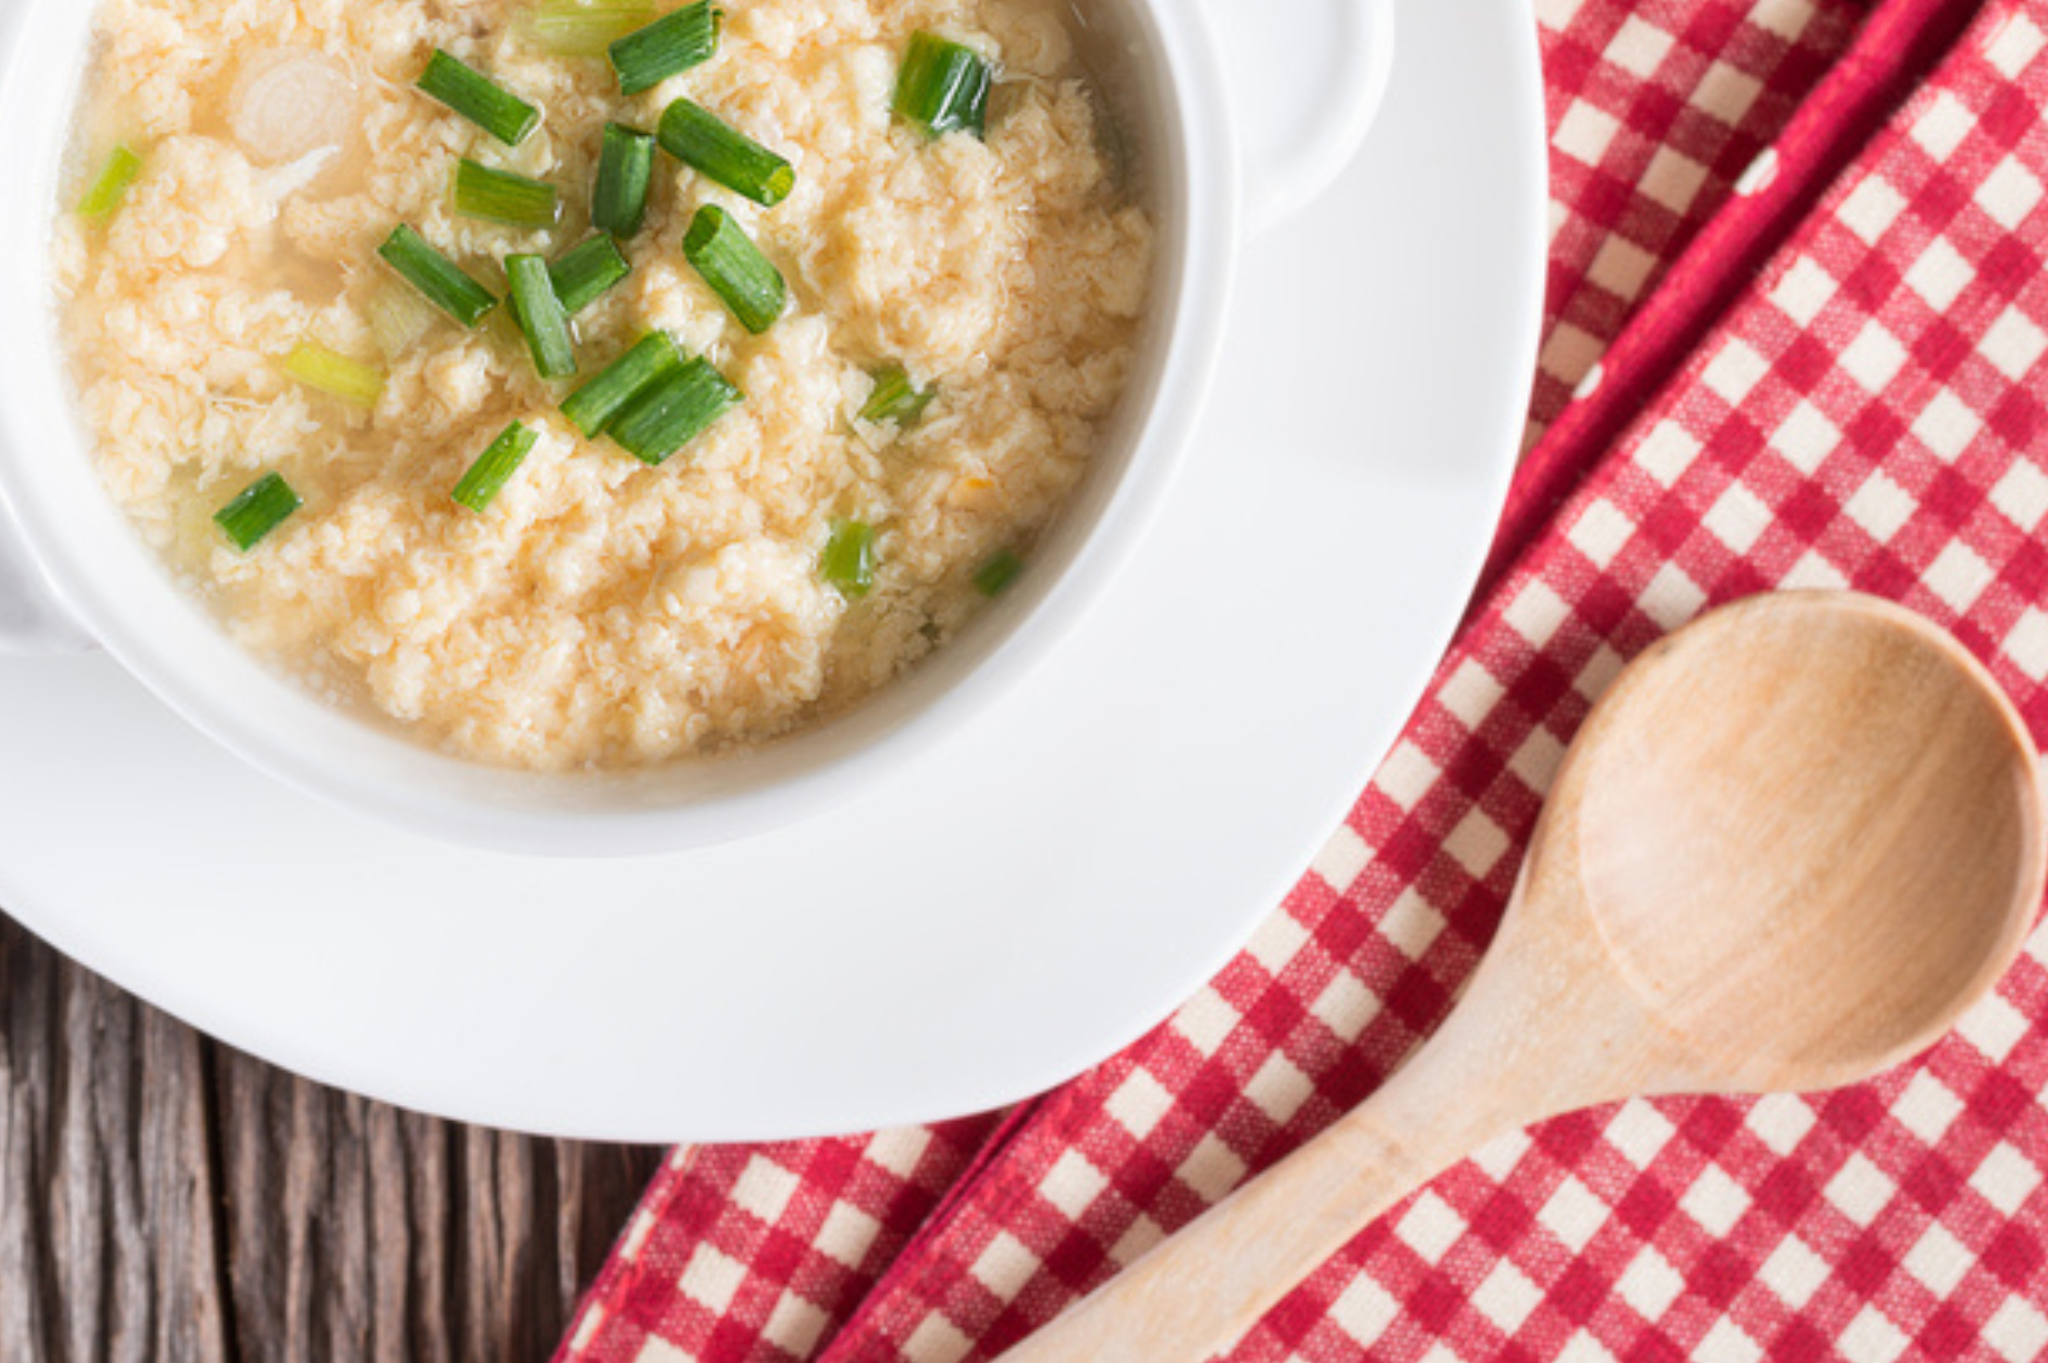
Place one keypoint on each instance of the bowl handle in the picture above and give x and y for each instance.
(32, 623)
(1307, 77)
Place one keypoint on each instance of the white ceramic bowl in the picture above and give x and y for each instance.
(1222, 147)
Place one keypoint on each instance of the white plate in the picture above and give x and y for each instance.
(999, 917)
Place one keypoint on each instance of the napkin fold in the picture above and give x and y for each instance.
(1799, 338)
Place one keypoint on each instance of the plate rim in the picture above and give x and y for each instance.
(333, 1065)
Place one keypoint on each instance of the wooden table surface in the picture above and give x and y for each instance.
(163, 1197)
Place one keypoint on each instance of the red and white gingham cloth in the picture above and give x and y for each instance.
(1799, 338)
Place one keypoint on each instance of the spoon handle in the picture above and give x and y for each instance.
(1198, 1292)
(1195, 1294)
(1535, 1035)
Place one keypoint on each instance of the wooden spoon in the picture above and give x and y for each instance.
(1793, 843)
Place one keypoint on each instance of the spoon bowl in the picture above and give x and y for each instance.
(1792, 844)
(1808, 831)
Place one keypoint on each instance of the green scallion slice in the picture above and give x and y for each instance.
(501, 196)
(588, 273)
(895, 397)
(479, 99)
(541, 316)
(437, 277)
(337, 375)
(994, 577)
(848, 562)
(943, 86)
(674, 411)
(110, 188)
(624, 172)
(263, 506)
(592, 408)
(667, 47)
(583, 28)
(398, 318)
(494, 468)
(722, 153)
(735, 269)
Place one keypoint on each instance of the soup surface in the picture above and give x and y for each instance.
(599, 612)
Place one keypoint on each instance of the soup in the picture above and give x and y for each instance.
(567, 427)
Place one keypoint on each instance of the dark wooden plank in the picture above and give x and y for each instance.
(107, 1241)
(165, 1198)
(393, 1236)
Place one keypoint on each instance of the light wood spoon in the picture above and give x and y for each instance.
(1792, 844)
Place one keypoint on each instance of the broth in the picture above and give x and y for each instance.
(600, 613)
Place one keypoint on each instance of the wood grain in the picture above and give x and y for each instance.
(166, 1198)
(107, 1242)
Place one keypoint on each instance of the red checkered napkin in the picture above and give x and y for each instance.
(1842, 379)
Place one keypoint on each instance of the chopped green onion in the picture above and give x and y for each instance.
(501, 196)
(583, 28)
(263, 506)
(943, 86)
(848, 562)
(502, 327)
(895, 397)
(476, 97)
(398, 319)
(110, 189)
(994, 577)
(722, 153)
(336, 375)
(624, 172)
(541, 316)
(674, 411)
(735, 269)
(591, 408)
(494, 468)
(436, 276)
(588, 273)
(667, 47)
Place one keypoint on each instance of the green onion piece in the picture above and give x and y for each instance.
(943, 87)
(667, 47)
(110, 189)
(494, 468)
(336, 375)
(501, 196)
(735, 269)
(436, 276)
(591, 408)
(724, 154)
(476, 97)
(541, 316)
(398, 318)
(994, 577)
(263, 506)
(674, 411)
(848, 562)
(588, 273)
(624, 172)
(583, 28)
(895, 397)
